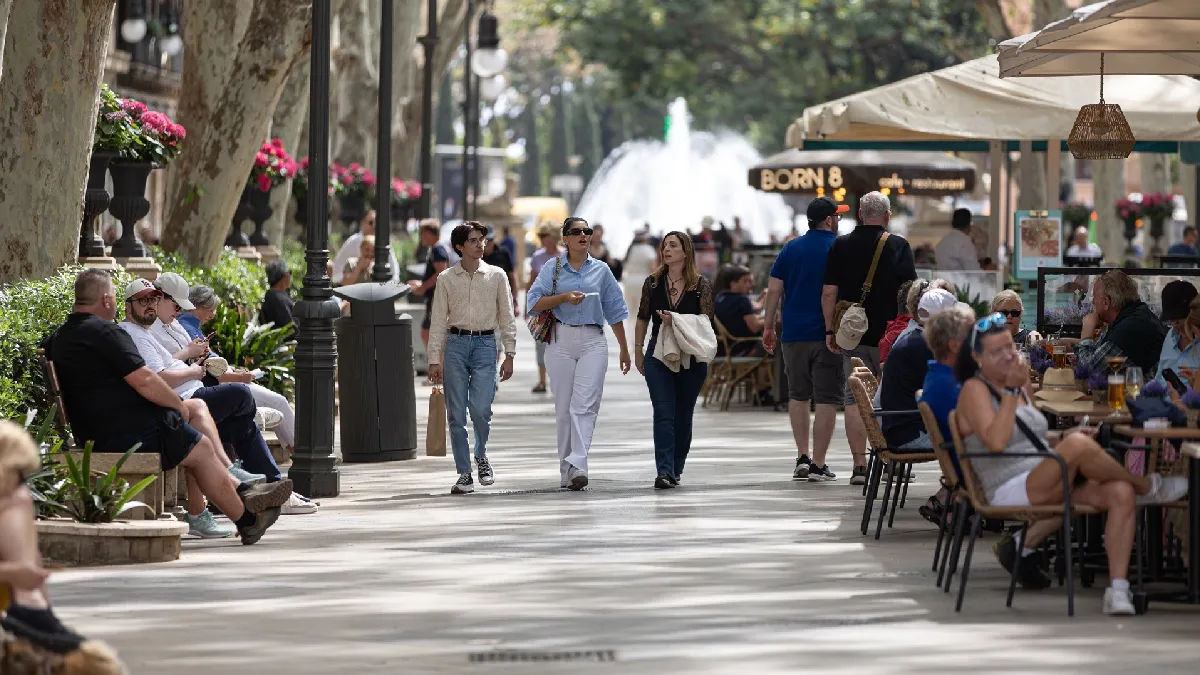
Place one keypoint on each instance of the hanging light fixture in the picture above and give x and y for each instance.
(489, 59)
(1101, 130)
(491, 88)
(171, 44)
(133, 28)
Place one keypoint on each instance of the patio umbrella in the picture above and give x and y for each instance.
(857, 172)
(1137, 37)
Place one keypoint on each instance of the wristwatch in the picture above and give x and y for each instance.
(510, 354)
(829, 332)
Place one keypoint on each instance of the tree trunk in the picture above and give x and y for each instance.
(1187, 186)
(1108, 180)
(229, 107)
(357, 87)
(1156, 177)
(1030, 170)
(48, 103)
(286, 124)
(5, 6)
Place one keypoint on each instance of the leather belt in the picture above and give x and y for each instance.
(471, 333)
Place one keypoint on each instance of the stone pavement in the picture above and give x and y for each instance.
(739, 571)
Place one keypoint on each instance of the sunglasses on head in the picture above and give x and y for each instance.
(988, 324)
(576, 231)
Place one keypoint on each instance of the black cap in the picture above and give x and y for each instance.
(822, 207)
(1177, 298)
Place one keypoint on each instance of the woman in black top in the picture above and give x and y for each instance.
(676, 287)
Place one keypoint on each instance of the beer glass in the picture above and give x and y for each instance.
(1133, 381)
(1060, 356)
(1116, 392)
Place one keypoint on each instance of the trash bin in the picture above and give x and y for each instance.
(377, 398)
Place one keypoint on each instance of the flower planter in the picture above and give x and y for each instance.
(260, 213)
(65, 542)
(301, 215)
(95, 202)
(129, 204)
(353, 208)
(236, 239)
(400, 214)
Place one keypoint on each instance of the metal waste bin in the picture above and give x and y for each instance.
(377, 397)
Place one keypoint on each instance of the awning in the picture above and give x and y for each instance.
(970, 103)
(858, 172)
(1136, 37)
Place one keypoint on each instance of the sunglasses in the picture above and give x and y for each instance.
(576, 231)
(988, 324)
(1014, 313)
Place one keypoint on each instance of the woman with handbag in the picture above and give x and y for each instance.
(674, 289)
(569, 303)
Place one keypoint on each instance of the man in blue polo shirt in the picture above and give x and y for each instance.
(813, 372)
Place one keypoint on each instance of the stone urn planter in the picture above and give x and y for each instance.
(301, 214)
(96, 200)
(353, 208)
(260, 213)
(400, 214)
(66, 542)
(129, 204)
(236, 239)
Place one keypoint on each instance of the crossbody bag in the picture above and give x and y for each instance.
(858, 310)
(541, 324)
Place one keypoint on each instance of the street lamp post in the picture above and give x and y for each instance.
(484, 65)
(313, 470)
(382, 269)
(467, 106)
(429, 42)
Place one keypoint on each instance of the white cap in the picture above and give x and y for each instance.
(933, 301)
(173, 286)
(139, 286)
(851, 328)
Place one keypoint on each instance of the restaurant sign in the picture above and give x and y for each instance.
(861, 179)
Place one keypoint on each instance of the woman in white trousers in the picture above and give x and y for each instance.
(584, 295)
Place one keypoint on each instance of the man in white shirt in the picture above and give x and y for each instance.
(350, 248)
(473, 302)
(1080, 247)
(956, 251)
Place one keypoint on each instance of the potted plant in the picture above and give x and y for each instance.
(1082, 373)
(152, 142)
(1098, 384)
(1076, 214)
(1129, 212)
(404, 195)
(1039, 359)
(273, 166)
(114, 131)
(1158, 207)
(356, 187)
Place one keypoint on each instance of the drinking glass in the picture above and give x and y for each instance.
(1116, 392)
(1133, 381)
(1060, 356)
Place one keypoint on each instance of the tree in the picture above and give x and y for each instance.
(228, 96)
(288, 124)
(48, 102)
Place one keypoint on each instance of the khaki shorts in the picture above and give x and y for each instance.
(813, 372)
(869, 356)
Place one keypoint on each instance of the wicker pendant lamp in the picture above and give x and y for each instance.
(1101, 131)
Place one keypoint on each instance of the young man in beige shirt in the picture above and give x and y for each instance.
(473, 303)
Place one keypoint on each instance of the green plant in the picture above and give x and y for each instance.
(268, 349)
(292, 251)
(138, 134)
(978, 305)
(238, 282)
(48, 479)
(97, 497)
(1077, 213)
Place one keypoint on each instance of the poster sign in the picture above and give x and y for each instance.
(1039, 242)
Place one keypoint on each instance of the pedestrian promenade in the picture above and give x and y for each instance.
(739, 571)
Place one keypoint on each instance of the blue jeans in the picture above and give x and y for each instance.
(232, 408)
(673, 396)
(469, 379)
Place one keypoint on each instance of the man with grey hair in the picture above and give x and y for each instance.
(851, 258)
(1133, 329)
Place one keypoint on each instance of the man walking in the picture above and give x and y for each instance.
(813, 372)
(865, 267)
(472, 303)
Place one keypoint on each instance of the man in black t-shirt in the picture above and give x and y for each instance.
(277, 303)
(437, 258)
(845, 273)
(113, 399)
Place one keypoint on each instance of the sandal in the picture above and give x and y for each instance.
(539, 388)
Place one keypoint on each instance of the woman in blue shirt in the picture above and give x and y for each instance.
(584, 295)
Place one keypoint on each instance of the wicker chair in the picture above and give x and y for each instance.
(729, 372)
(941, 450)
(868, 379)
(973, 494)
(904, 459)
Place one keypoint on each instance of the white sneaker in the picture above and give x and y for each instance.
(1118, 603)
(298, 504)
(1164, 490)
(267, 418)
(576, 479)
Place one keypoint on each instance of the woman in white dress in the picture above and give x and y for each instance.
(640, 261)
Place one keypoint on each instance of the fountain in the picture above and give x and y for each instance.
(672, 185)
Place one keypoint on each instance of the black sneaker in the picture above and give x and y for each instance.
(486, 477)
(464, 485)
(1033, 572)
(817, 474)
(858, 476)
(663, 483)
(803, 466)
(262, 521)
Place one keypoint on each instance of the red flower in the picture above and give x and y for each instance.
(264, 182)
(134, 108)
(156, 121)
(277, 142)
(261, 161)
(304, 164)
(178, 131)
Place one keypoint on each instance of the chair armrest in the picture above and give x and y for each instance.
(893, 413)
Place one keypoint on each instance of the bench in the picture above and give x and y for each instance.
(138, 466)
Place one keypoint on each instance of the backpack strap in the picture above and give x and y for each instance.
(874, 265)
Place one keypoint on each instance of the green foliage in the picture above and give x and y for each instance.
(1076, 213)
(292, 252)
(47, 480)
(237, 282)
(115, 130)
(269, 349)
(980, 306)
(30, 310)
(95, 497)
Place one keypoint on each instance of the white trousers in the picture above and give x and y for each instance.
(286, 431)
(576, 362)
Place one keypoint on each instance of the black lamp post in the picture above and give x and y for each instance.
(429, 42)
(382, 269)
(314, 469)
(484, 65)
(468, 125)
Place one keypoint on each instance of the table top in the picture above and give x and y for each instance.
(1098, 412)
(1168, 433)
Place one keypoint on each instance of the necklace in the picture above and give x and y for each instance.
(672, 290)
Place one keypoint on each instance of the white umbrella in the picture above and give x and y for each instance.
(1137, 37)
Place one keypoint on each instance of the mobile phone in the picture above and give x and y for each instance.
(209, 337)
(1170, 376)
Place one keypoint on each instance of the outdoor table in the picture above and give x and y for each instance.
(1100, 413)
(1191, 453)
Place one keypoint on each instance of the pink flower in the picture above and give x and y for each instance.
(157, 122)
(264, 182)
(134, 108)
(261, 161)
(116, 115)
(178, 131)
(414, 189)
(304, 164)
(277, 142)
(355, 166)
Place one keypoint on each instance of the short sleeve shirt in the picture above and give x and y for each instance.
(847, 266)
(801, 268)
(731, 310)
(92, 357)
(276, 309)
(157, 357)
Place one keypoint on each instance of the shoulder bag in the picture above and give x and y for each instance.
(846, 308)
(541, 324)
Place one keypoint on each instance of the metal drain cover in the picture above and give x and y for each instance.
(531, 656)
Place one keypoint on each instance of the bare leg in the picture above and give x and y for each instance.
(1041, 529)
(826, 418)
(18, 543)
(798, 415)
(196, 501)
(214, 479)
(856, 434)
(1118, 499)
(1082, 455)
(542, 376)
(203, 422)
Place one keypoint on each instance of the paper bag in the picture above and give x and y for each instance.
(435, 430)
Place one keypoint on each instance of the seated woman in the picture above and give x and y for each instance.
(1009, 304)
(358, 270)
(740, 316)
(992, 408)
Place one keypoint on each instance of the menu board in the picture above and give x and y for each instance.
(1038, 242)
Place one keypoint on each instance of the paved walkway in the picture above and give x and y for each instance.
(740, 571)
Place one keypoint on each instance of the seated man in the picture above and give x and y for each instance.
(231, 405)
(113, 399)
(905, 373)
(1133, 330)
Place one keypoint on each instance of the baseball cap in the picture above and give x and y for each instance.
(1177, 298)
(173, 286)
(935, 300)
(822, 207)
(139, 287)
(852, 327)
